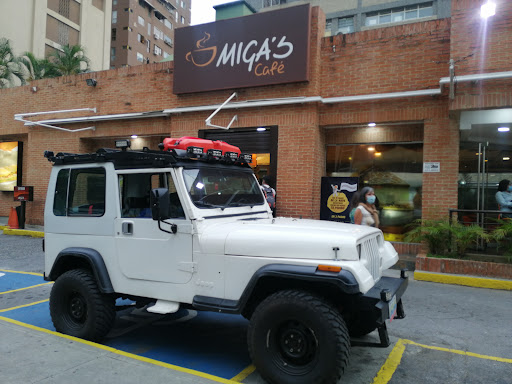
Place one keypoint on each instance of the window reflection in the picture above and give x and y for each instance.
(393, 170)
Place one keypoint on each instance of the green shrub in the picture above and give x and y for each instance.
(445, 239)
(434, 233)
(502, 234)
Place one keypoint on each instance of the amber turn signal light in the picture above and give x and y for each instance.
(328, 268)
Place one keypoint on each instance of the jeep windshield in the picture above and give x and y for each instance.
(222, 188)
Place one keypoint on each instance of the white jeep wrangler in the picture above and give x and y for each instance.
(180, 229)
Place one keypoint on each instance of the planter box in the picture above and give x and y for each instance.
(463, 267)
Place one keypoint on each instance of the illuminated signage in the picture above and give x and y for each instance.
(9, 156)
(260, 49)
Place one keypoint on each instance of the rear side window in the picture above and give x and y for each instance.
(80, 192)
(61, 193)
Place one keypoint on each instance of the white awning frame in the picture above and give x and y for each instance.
(248, 104)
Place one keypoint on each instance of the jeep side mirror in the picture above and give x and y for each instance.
(160, 208)
(160, 204)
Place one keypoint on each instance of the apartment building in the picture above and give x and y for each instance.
(349, 16)
(143, 30)
(43, 26)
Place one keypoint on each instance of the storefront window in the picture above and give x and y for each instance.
(393, 170)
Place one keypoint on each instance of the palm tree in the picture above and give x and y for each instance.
(38, 68)
(71, 60)
(12, 70)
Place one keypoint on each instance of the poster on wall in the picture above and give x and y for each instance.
(336, 193)
(9, 159)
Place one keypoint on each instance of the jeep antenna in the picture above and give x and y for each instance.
(208, 120)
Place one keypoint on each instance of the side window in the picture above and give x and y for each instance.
(134, 189)
(135, 194)
(86, 192)
(61, 193)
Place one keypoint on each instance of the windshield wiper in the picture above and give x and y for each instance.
(230, 200)
(205, 204)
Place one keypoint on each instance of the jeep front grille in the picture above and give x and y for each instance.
(370, 256)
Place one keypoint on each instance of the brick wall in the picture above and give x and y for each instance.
(400, 58)
(481, 46)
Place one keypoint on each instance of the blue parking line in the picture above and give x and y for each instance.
(10, 281)
(208, 342)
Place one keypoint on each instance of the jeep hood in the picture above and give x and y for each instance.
(286, 238)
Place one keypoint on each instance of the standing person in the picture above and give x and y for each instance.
(270, 193)
(504, 199)
(366, 212)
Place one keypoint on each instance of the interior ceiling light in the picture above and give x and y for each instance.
(372, 124)
(488, 9)
(371, 149)
(134, 136)
(378, 154)
(506, 158)
(261, 129)
(503, 129)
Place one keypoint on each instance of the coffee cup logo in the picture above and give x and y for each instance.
(202, 57)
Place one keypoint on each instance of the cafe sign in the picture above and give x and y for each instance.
(260, 49)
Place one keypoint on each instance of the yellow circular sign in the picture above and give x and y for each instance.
(337, 203)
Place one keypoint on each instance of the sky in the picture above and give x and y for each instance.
(203, 12)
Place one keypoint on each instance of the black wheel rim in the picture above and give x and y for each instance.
(77, 308)
(293, 346)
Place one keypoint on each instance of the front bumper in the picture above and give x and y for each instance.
(378, 300)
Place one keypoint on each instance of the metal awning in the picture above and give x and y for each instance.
(159, 15)
(148, 3)
(120, 116)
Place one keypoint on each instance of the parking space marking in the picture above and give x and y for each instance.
(242, 375)
(230, 371)
(117, 351)
(464, 353)
(393, 361)
(21, 272)
(23, 306)
(13, 281)
(21, 289)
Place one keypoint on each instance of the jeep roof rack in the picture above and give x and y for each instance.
(146, 158)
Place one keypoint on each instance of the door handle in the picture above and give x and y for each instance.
(127, 228)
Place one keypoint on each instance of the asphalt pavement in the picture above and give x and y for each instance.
(451, 334)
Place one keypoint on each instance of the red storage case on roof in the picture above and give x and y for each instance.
(186, 142)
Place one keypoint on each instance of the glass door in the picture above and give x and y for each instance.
(485, 160)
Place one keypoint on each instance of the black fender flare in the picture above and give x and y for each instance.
(344, 281)
(88, 255)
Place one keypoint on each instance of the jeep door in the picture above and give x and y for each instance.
(144, 251)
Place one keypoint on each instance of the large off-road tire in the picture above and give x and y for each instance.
(295, 337)
(78, 308)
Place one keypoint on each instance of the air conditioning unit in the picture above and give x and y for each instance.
(156, 36)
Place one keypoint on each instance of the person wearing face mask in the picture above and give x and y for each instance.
(504, 199)
(366, 212)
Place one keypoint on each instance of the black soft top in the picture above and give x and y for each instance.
(123, 159)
